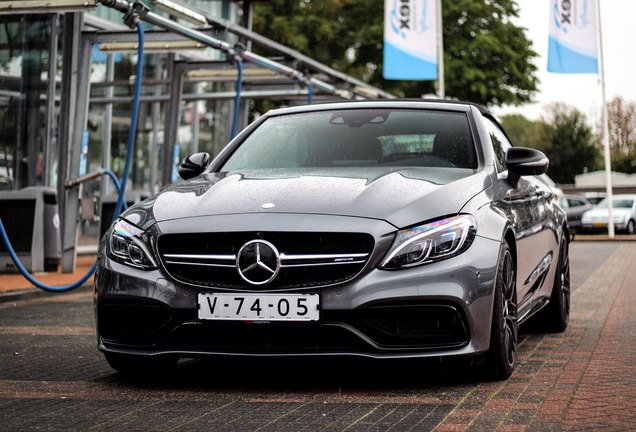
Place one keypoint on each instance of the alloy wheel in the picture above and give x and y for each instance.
(509, 311)
(564, 270)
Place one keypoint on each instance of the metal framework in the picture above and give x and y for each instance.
(73, 114)
(264, 78)
(139, 11)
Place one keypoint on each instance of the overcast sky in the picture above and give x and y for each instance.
(618, 20)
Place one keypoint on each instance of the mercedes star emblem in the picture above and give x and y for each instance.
(258, 262)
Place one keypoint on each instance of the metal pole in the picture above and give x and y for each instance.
(172, 118)
(50, 101)
(146, 15)
(166, 24)
(313, 64)
(107, 130)
(196, 35)
(606, 146)
(67, 200)
(248, 94)
(440, 52)
(154, 137)
(195, 120)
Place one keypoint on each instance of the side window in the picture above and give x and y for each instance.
(500, 144)
(575, 203)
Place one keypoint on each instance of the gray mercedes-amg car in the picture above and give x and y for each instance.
(383, 229)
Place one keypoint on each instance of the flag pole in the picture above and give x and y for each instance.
(441, 90)
(606, 147)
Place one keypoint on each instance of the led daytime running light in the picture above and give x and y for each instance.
(128, 244)
(431, 242)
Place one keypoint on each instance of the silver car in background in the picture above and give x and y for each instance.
(623, 214)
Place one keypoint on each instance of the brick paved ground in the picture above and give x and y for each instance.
(13, 282)
(53, 378)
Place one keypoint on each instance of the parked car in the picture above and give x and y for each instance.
(623, 213)
(594, 197)
(383, 229)
(575, 206)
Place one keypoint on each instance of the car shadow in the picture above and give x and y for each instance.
(299, 374)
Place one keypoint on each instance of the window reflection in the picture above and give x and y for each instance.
(24, 77)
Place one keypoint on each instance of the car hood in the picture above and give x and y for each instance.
(398, 196)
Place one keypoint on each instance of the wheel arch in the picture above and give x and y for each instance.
(566, 232)
(509, 237)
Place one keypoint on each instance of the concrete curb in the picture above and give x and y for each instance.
(33, 293)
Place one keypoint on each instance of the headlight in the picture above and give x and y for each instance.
(129, 245)
(431, 242)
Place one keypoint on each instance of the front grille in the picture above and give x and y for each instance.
(376, 329)
(307, 259)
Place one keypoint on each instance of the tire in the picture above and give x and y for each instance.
(502, 353)
(631, 227)
(140, 366)
(557, 314)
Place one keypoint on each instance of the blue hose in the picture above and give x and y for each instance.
(237, 99)
(115, 180)
(133, 118)
(120, 187)
(25, 272)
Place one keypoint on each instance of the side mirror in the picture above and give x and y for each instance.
(193, 165)
(525, 161)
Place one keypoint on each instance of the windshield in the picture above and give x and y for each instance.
(361, 137)
(618, 203)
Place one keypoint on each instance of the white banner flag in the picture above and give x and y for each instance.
(573, 37)
(410, 39)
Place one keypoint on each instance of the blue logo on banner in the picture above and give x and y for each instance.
(423, 26)
(563, 18)
(401, 18)
(557, 17)
(584, 20)
(397, 22)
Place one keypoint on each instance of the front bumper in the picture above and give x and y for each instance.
(602, 226)
(438, 309)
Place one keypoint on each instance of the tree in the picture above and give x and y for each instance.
(521, 131)
(568, 141)
(487, 58)
(622, 134)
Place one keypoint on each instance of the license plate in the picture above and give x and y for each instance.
(259, 307)
(600, 224)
